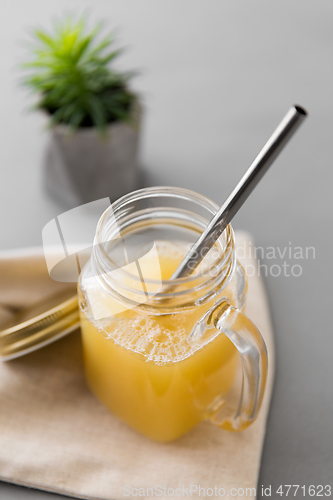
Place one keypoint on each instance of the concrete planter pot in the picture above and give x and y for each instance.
(85, 167)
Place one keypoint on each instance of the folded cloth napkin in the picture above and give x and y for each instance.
(55, 436)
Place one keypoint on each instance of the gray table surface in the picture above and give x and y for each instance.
(216, 79)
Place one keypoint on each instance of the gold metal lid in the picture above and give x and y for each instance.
(39, 325)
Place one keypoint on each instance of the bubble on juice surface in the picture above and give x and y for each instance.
(148, 337)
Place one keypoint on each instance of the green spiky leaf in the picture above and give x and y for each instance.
(71, 73)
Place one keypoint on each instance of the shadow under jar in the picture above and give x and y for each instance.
(163, 354)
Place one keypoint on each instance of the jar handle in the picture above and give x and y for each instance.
(237, 413)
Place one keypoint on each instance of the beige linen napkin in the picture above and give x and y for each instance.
(55, 435)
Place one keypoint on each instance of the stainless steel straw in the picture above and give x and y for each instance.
(244, 188)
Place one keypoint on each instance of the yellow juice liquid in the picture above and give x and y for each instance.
(142, 367)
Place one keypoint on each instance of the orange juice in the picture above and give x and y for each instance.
(144, 369)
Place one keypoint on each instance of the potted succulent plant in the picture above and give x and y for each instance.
(94, 117)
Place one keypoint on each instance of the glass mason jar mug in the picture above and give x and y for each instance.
(165, 354)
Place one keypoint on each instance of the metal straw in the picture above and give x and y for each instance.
(244, 188)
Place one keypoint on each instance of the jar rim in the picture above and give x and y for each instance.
(226, 241)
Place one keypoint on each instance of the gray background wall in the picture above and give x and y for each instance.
(216, 78)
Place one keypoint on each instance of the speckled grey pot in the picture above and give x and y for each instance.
(83, 167)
